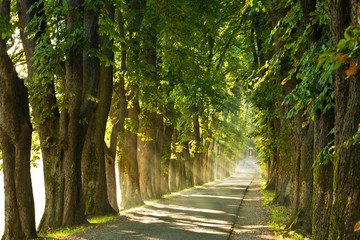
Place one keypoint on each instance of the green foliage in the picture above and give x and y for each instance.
(326, 155)
(7, 28)
(35, 149)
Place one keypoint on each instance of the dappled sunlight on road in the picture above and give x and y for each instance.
(207, 212)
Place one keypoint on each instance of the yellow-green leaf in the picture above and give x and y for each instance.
(352, 69)
(357, 226)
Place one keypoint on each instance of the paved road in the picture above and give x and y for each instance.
(208, 212)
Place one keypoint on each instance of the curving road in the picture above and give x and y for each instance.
(208, 212)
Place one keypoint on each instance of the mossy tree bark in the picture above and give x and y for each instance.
(346, 198)
(64, 204)
(323, 176)
(93, 164)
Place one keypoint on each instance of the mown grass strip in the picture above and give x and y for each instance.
(279, 216)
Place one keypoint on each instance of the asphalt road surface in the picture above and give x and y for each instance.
(208, 212)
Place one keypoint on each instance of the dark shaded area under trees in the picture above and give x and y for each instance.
(166, 90)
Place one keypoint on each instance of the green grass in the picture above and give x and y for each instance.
(279, 216)
(63, 232)
(98, 220)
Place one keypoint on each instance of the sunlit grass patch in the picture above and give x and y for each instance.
(104, 219)
(279, 216)
(63, 232)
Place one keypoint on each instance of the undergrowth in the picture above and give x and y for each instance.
(279, 216)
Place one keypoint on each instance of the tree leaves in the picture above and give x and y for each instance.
(357, 226)
(352, 69)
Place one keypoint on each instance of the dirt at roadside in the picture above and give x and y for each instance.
(252, 219)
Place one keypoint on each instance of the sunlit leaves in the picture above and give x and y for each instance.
(6, 27)
(357, 226)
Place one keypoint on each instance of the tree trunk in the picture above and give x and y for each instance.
(146, 155)
(188, 165)
(111, 179)
(119, 112)
(210, 174)
(93, 164)
(69, 128)
(147, 148)
(48, 129)
(197, 154)
(173, 174)
(132, 195)
(15, 142)
(165, 159)
(346, 198)
(303, 215)
(323, 176)
(158, 151)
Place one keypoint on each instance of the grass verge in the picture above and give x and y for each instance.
(63, 232)
(279, 216)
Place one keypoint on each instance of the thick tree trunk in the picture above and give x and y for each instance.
(120, 113)
(93, 164)
(282, 164)
(147, 139)
(188, 165)
(48, 128)
(274, 129)
(197, 154)
(346, 199)
(323, 176)
(146, 155)
(303, 215)
(132, 195)
(69, 128)
(111, 180)
(165, 159)
(158, 151)
(15, 142)
(173, 174)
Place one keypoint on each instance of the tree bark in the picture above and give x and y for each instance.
(111, 179)
(346, 198)
(132, 196)
(146, 155)
(188, 165)
(323, 176)
(197, 155)
(48, 128)
(93, 164)
(15, 142)
(69, 128)
(158, 147)
(165, 159)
